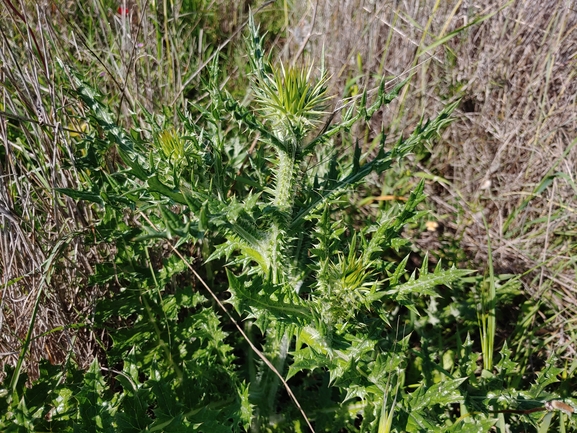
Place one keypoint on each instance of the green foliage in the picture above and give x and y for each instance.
(319, 284)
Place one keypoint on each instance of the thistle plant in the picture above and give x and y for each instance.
(292, 106)
(320, 290)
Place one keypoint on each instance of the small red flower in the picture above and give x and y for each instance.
(122, 11)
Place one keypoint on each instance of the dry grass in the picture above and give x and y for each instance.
(510, 156)
(43, 264)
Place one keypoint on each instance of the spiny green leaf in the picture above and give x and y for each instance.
(441, 393)
(243, 298)
(424, 285)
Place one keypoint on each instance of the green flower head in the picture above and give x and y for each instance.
(290, 100)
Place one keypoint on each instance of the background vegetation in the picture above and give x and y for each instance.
(150, 250)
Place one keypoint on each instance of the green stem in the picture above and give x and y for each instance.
(285, 182)
(275, 251)
(283, 201)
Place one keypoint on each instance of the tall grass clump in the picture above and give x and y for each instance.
(42, 233)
